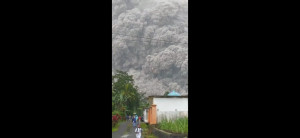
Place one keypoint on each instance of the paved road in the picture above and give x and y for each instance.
(125, 131)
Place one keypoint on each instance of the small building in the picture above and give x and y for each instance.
(166, 107)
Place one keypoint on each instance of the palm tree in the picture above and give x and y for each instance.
(127, 97)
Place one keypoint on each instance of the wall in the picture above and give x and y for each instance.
(170, 104)
(146, 115)
(170, 115)
(171, 108)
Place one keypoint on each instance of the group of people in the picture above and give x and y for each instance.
(136, 120)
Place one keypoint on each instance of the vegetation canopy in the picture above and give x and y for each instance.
(126, 97)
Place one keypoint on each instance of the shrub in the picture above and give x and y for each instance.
(119, 114)
(116, 112)
(179, 125)
(114, 120)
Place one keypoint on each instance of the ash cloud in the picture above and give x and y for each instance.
(149, 41)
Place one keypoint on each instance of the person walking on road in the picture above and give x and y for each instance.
(138, 131)
(139, 119)
(134, 122)
(132, 118)
(136, 118)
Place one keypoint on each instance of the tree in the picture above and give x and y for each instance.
(125, 95)
(166, 93)
(120, 79)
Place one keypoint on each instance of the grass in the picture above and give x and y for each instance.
(145, 129)
(144, 126)
(150, 136)
(145, 132)
(179, 126)
(116, 128)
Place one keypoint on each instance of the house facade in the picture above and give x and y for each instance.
(166, 107)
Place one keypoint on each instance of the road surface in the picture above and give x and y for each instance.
(125, 131)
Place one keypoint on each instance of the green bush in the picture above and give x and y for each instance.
(144, 126)
(118, 112)
(116, 127)
(179, 125)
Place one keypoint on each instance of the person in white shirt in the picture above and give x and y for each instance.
(138, 131)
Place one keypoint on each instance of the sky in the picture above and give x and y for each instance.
(150, 42)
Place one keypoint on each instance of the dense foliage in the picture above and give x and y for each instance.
(126, 99)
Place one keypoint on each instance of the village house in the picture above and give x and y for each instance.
(166, 107)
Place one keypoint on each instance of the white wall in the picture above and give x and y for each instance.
(146, 115)
(166, 108)
(170, 104)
